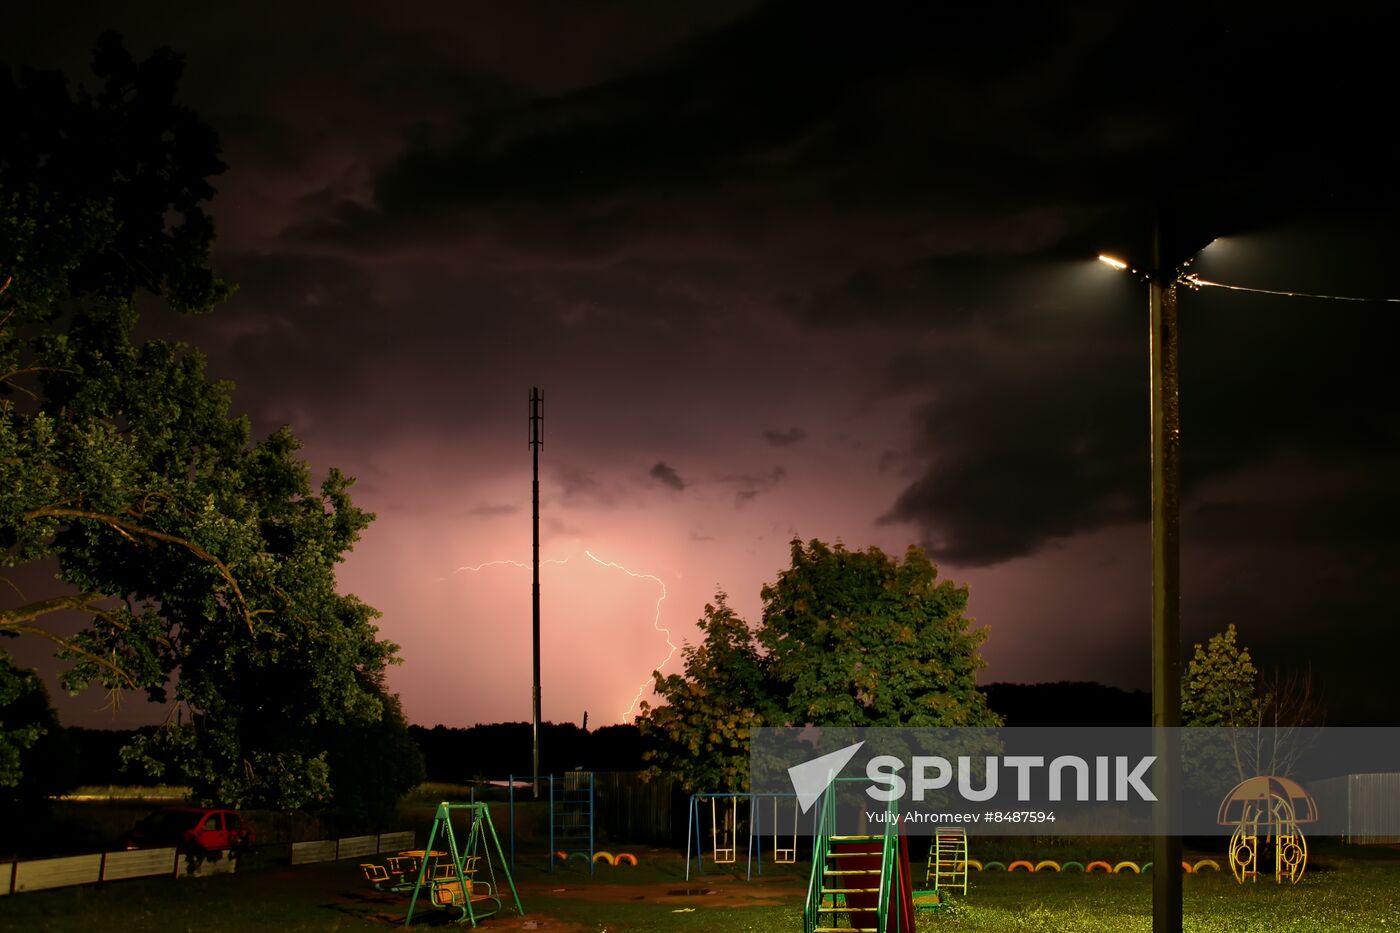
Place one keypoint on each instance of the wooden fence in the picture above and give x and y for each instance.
(45, 873)
(630, 809)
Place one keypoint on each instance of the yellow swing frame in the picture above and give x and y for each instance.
(784, 855)
(724, 855)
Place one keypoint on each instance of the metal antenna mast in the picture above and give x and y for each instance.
(536, 442)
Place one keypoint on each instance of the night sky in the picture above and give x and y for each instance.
(809, 269)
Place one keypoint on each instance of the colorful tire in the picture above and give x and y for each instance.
(1146, 866)
(1207, 863)
(1117, 869)
(631, 859)
(562, 856)
(1186, 867)
(1092, 865)
(1018, 863)
(993, 866)
(1066, 866)
(1047, 863)
(973, 863)
(582, 855)
(605, 856)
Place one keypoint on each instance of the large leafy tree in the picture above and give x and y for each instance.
(858, 638)
(203, 562)
(848, 638)
(702, 730)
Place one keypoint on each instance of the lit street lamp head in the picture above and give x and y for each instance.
(1110, 261)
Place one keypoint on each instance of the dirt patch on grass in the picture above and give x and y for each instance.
(543, 899)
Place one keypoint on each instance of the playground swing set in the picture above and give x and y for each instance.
(450, 876)
(727, 820)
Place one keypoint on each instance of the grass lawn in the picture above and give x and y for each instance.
(1353, 893)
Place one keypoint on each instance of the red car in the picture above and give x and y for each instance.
(199, 828)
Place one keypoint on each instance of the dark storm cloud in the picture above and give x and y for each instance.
(1001, 288)
(748, 486)
(795, 94)
(960, 156)
(666, 476)
(294, 333)
(958, 110)
(1022, 445)
(581, 487)
(1033, 436)
(785, 438)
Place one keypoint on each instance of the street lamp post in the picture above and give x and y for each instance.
(1166, 591)
(1166, 587)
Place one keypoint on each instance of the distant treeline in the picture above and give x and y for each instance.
(496, 750)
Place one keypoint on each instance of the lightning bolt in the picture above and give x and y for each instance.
(655, 623)
(513, 563)
(656, 618)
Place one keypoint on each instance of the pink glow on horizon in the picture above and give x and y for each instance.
(656, 625)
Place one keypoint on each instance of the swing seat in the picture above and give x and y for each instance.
(447, 895)
(445, 873)
(784, 854)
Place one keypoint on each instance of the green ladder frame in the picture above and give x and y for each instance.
(482, 835)
(830, 885)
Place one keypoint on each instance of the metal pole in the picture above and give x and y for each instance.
(1166, 593)
(536, 442)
